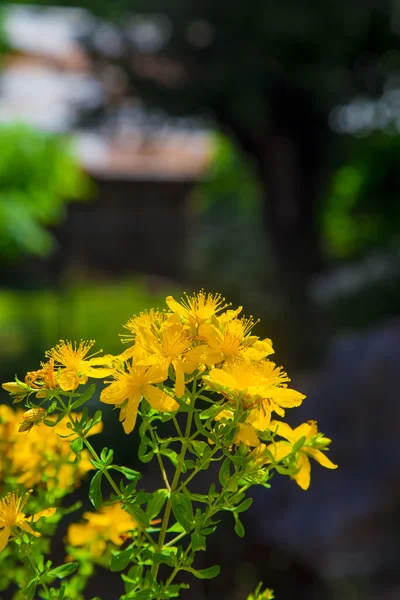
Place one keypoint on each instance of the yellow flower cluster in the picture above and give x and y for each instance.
(198, 336)
(109, 524)
(40, 457)
(192, 336)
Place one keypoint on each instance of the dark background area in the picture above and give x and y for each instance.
(252, 148)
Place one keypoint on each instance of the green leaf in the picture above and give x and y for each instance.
(245, 505)
(199, 448)
(30, 590)
(299, 444)
(144, 455)
(107, 456)
(209, 573)
(210, 413)
(87, 394)
(198, 542)
(173, 457)
(98, 415)
(130, 474)
(201, 428)
(139, 515)
(95, 495)
(77, 445)
(63, 570)
(156, 503)
(120, 561)
(225, 472)
(183, 510)
(239, 528)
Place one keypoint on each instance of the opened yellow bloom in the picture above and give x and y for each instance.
(200, 307)
(131, 385)
(259, 386)
(231, 340)
(12, 516)
(109, 524)
(309, 431)
(76, 366)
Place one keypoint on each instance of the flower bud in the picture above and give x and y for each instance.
(34, 414)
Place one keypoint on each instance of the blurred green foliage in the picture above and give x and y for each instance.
(38, 176)
(33, 321)
(362, 210)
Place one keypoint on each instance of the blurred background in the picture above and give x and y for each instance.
(149, 147)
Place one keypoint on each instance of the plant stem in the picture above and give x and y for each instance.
(185, 443)
(160, 460)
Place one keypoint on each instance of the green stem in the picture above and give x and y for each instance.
(186, 441)
(178, 567)
(160, 460)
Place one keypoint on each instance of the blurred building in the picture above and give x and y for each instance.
(144, 164)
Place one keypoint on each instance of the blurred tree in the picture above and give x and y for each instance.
(38, 176)
(270, 74)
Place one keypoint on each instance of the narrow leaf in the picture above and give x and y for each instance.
(87, 394)
(95, 495)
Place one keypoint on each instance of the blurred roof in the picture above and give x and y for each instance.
(48, 81)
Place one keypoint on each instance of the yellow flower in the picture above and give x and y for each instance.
(129, 387)
(308, 430)
(232, 340)
(76, 367)
(11, 516)
(259, 386)
(172, 347)
(110, 524)
(200, 307)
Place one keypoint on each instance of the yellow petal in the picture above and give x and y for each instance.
(247, 435)
(259, 350)
(175, 306)
(68, 380)
(283, 429)
(4, 537)
(304, 430)
(259, 418)
(211, 335)
(26, 527)
(47, 512)
(229, 315)
(179, 378)
(285, 397)
(115, 393)
(320, 457)
(159, 400)
(280, 450)
(98, 373)
(130, 412)
(303, 477)
(157, 373)
(204, 354)
(222, 378)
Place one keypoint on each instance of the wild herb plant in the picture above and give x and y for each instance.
(205, 390)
